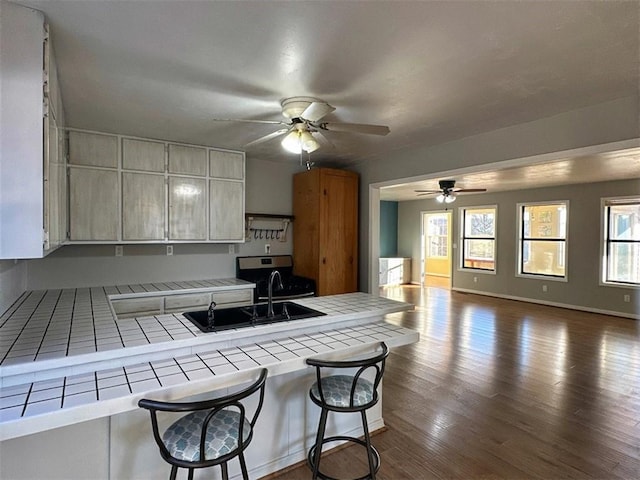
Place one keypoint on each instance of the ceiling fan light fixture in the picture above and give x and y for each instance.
(309, 144)
(291, 142)
(450, 198)
(297, 141)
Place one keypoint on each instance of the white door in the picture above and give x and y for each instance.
(436, 254)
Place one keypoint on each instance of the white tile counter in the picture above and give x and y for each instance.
(65, 358)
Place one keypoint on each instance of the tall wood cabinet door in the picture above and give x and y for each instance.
(93, 204)
(187, 208)
(142, 155)
(93, 150)
(143, 206)
(338, 234)
(226, 210)
(187, 160)
(306, 226)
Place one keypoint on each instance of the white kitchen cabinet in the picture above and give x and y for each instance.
(94, 191)
(187, 208)
(226, 210)
(93, 149)
(225, 164)
(143, 207)
(137, 307)
(187, 160)
(30, 191)
(93, 204)
(178, 303)
(150, 191)
(142, 155)
(186, 302)
(55, 186)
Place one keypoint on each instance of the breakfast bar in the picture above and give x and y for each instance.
(83, 397)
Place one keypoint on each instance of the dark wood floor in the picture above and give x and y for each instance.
(499, 389)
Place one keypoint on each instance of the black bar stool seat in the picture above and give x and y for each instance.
(346, 393)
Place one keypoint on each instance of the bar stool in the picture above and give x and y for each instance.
(346, 393)
(210, 434)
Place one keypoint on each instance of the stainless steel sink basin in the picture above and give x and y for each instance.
(239, 317)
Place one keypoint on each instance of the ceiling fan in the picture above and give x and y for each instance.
(448, 191)
(304, 129)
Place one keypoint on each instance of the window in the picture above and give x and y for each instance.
(479, 238)
(543, 239)
(621, 241)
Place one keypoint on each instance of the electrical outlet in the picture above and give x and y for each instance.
(475, 279)
(544, 288)
(627, 298)
(267, 249)
(169, 249)
(232, 249)
(119, 250)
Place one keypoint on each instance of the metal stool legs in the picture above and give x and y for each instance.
(313, 458)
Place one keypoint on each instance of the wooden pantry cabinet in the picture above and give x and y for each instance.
(132, 190)
(325, 241)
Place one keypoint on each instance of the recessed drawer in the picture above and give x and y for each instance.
(233, 296)
(137, 306)
(182, 303)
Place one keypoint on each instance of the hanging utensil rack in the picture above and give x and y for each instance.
(257, 232)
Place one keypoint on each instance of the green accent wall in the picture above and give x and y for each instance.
(388, 229)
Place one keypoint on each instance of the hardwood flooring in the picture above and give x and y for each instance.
(499, 389)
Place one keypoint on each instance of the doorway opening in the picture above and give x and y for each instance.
(436, 249)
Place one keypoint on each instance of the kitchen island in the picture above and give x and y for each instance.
(85, 401)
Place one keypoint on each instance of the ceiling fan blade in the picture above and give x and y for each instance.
(270, 122)
(322, 139)
(468, 190)
(266, 138)
(428, 191)
(355, 128)
(425, 193)
(316, 110)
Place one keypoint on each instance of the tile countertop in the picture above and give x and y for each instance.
(83, 363)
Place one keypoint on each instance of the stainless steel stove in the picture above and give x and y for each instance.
(257, 270)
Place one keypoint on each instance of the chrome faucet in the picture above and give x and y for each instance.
(273, 275)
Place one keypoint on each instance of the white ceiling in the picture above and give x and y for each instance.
(433, 71)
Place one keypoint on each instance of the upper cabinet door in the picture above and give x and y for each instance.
(93, 204)
(226, 210)
(142, 155)
(223, 164)
(186, 160)
(143, 207)
(92, 149)
(187, 208)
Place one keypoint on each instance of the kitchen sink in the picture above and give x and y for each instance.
(239, 317)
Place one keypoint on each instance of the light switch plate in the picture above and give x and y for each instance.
(169, 249)
(232, 249)
(119, 250)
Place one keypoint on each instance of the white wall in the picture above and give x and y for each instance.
(13, 282)
(607, 122)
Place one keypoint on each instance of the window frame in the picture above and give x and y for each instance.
(520, 239)
(462, 215)
(605, 203)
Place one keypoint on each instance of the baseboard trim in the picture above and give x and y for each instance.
(551, 304)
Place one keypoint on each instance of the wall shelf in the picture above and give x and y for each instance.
(253, 232)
